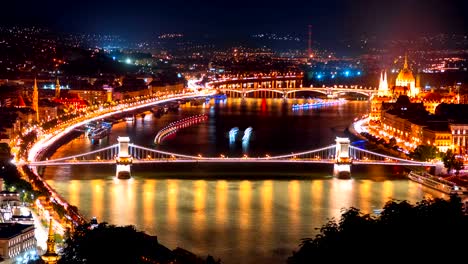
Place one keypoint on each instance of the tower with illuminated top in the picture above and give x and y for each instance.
(57, 89)
(35, 104)
(50, 257)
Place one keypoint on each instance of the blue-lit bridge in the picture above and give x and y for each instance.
(124, 154)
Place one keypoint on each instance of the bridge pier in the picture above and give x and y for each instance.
(342, 171)
(123, 160)
(342, 167)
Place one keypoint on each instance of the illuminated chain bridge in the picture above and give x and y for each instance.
(124, 154)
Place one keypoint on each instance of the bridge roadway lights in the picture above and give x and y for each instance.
(123, 160)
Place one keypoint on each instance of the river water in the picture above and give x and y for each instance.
(239, 213)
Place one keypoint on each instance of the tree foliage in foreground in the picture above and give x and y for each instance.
(122, 244)
(451, 161)
(424, 153)
(403, 231)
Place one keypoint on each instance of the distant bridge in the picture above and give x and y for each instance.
(124, 154)
(282, 85)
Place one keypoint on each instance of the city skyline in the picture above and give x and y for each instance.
(231, 131)
(231, 21)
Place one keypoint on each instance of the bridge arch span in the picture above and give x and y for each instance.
(367, 94)
(231, 91)
(264, 90)
(310, 90)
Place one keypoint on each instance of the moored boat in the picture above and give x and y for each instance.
(437, 183)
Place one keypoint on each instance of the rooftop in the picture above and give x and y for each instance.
(9, 230)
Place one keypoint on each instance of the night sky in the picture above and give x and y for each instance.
(143, 18)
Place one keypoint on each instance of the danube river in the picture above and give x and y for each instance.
(243, 213)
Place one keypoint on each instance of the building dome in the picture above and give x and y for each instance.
(405, 78)
(405, 75)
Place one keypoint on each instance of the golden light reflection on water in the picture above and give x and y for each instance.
(365, 188)
(294, 205)
(199, 217)
(173, 190)
(74, 190)
(117, 202)
(275, 212)
(316, 195)
(149, 188)
(245, 224)
(221, 202)
(387, 191)
(244, 202)
(97, 197)
(341, 196)
(131, 201)
(267, 206)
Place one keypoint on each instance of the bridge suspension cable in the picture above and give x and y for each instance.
(105, 154)
(366, 156)
(141, 154)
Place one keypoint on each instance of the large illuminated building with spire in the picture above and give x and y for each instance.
(405, 84)
(413, 117)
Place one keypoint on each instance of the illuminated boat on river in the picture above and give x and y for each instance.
(437, 183)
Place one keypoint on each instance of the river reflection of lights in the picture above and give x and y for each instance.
(233, 134)
(246, 139)
(247, 134)
(245, 145)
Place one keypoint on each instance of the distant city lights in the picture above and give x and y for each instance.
(334, 74)
(52, 87)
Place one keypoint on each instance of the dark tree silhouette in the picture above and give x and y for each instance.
(424, 153)
(401, 232)
(112, 244)
(449, 160)
(124, 245)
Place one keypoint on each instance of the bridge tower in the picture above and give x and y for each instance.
(342, 167)
(123, 160)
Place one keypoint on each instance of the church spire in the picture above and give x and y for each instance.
(405, 66)
(383, 84)
(50, 257)
(35, 104)
(51, 238)
(57, 89)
